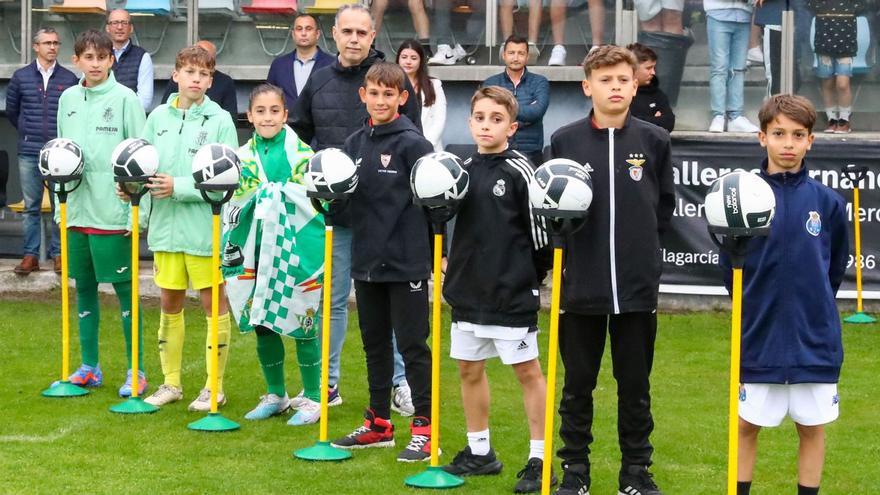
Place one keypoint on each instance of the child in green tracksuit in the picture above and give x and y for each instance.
(98, 113)
(180, 220)
(273, 256)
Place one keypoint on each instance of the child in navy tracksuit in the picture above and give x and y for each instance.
(791, 342)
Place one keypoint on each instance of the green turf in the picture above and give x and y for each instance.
(78, 446)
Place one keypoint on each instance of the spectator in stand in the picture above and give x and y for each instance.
(660, 15)
(768, 15)
(416, 10)
(132, 65)
(429, 90)
(222, 90)
(557, 20)
(292, 71)
(441, 27)
(32, 108)
(650, 103)
(505, 16)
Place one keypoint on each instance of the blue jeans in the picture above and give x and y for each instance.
(32, 190)
(339, 305)
(728, 46)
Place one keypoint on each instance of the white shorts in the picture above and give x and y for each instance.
(648, 9)
(473, 342)
(807, 404)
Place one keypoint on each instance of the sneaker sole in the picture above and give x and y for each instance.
(261, 418)
(400, 411)
(389, 443)
(425, 459)
(490, 469)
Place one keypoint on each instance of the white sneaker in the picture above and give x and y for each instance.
(333, 398)
(401, 400)
(203, 401)
(557, 56)
(755, 56)
(166, 394)
(444, 56)
(459, 52)
(309, 413)
(742, 124)
(534, 53)
(269, 405)
(717, 124)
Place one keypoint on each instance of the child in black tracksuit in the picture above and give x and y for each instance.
(612, 270)
(391, 261)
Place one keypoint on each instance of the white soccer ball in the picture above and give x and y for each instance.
(135, 157)
(61, 159)
(331, 172)
(740, 199)
(561, 186)
(216, 165)
(439, 179)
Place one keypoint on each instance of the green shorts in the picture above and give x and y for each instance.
(107, 258)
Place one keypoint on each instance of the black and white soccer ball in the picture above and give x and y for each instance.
(439, 179)
(740, 199)
(135, 157)
(561, 188)
(216, 166)
(61, 160)
(331, 174)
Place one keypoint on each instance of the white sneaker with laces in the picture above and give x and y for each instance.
(401, 400)
(203, 401)
(717, 124)
(166, 394)
(333, 399)
(269, 405)
(444, 56)
(742, 124)
(557, 56)
(459, 52)
(755, 56)
(309, 413)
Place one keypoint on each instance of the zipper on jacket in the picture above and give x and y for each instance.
(611, 201)
(182, 121)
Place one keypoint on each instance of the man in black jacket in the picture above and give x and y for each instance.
(222, 90)
(650, 103)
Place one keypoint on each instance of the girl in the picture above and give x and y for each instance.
(411, 57)
(273, 255)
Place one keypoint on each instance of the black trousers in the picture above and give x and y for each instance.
(582, 343)
(403, 307)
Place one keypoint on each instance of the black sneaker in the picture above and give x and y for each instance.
(530, 477)
(419, 446)
(575, 480)
(468, 464)
(636, 480)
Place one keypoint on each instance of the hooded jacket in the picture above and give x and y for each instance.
(390, 235)
(649, 100)
(790, 323)
(98, 119)
(613, 263)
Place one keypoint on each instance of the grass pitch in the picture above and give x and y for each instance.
(77, 446)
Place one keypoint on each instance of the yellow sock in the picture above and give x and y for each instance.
(171, 333)
(223, 333)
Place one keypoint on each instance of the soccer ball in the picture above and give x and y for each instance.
(216, 166)
(330, 173)
(438, 179)
(561, 188)
(61, 159)
(740, 199)
(135, 157)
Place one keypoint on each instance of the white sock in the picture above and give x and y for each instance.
(831, 113)
(845, 113)
(536, 449)
(478, 441)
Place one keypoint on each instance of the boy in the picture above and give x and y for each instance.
(98, 113)
(390, 261)
(791, 357)
(180, 220)
(612, 270)
(496, 314)
(650, 103)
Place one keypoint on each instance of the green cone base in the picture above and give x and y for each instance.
(322, 451)
(59, 390)
(133, 405)
(434, 477)
(214, 422)
(860, 317)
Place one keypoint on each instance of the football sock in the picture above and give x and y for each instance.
(845, 113)
(270, 351)
(172, 328)
(123, 293)
(223, 330)
(536, 449)
(478, 441)
(88, 310)
(743, 487)
(308, 353)
(831, 113)
(808, 490)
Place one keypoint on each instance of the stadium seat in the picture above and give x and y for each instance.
(279, 7)
(80, 7)
(326, 6)
(149, 7)
(221, 7)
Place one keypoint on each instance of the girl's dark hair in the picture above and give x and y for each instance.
(422, 79)
(266, 88)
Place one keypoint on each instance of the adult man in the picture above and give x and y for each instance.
(532, 92)
(327, 111)
(32, 107)
(133, 66)
(290, 72)
(222, 90)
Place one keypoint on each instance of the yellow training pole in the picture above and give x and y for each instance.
(135, 266)
(733, 419)
(215, 309)
(552, 351)
(435, 352)
(65, 296)
(325, 331)
(858, 239)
